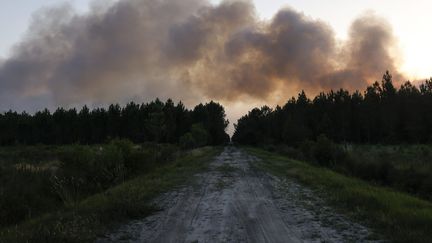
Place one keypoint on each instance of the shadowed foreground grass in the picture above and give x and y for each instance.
(398, 216)
(96, 214)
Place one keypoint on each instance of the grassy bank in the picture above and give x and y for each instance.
(398, 216)
(406, 168)
(35, 180)
(87, 219)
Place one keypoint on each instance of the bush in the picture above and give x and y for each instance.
(124, 145)
(72, 181)
(28, 190)
(327, 153)
(32, 188)
(166, 152)
(306, 148)
(108, 168)
(24, 194)
(289, 151)
(85, 171)
(271, 147)
(200, 135)
(140, 161)
(187, 141)
(406, 168)
(197, 137)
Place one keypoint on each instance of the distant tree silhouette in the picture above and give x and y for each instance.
(382, 114)
(151, 122)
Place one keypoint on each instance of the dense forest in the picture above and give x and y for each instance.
(151, 122)
(382, 114)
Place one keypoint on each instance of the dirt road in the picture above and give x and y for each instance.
(235, 203)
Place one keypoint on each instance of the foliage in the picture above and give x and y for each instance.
(151, 122)
(197, 137)
(92, 216)
(325, 152)
(63, 176)
(406, 168)
(398, 216)
(187, 141)
(38, 178)
(382, 114)
(24, 193)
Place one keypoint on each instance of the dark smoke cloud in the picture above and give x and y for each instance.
(189, 50)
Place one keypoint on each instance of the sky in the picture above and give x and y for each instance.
(55, 59)
(15, 17)
(410, 21)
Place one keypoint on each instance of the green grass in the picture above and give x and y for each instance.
(398, 216)
(96, 214)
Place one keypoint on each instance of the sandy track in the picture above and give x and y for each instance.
(234, 203)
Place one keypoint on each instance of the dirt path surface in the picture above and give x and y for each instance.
(233, 202)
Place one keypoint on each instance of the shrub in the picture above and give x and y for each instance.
(85, 171)
(126, 146)
(197, 137)
(306, 148)
(187, 141)
(166, 152)
(72, 181)
(76, 159)
(24, 194)
(138, 161)
(327, 153)
(28, 190)
(291, 152)
(200, 135)
(272, 147)
(108, 168)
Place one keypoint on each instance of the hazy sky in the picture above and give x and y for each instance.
(27, 86)
(15, 16)
(410, 20)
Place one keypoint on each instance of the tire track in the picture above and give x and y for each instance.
(233, 202)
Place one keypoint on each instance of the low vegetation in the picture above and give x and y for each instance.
(370, 151)
(72, 193)
(66, 175)
(400, 217)
(406, 168)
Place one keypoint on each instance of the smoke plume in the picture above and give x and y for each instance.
(189, 50)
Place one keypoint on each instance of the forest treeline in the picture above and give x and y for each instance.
(382, 114)
(156, 121)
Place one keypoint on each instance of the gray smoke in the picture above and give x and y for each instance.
(189, 50)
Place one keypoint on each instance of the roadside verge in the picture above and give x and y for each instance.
(398, 216)
(99, 213)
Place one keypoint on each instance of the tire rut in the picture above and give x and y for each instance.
(233, 202)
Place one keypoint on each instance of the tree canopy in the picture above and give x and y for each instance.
(381, 114)
(148, 122)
